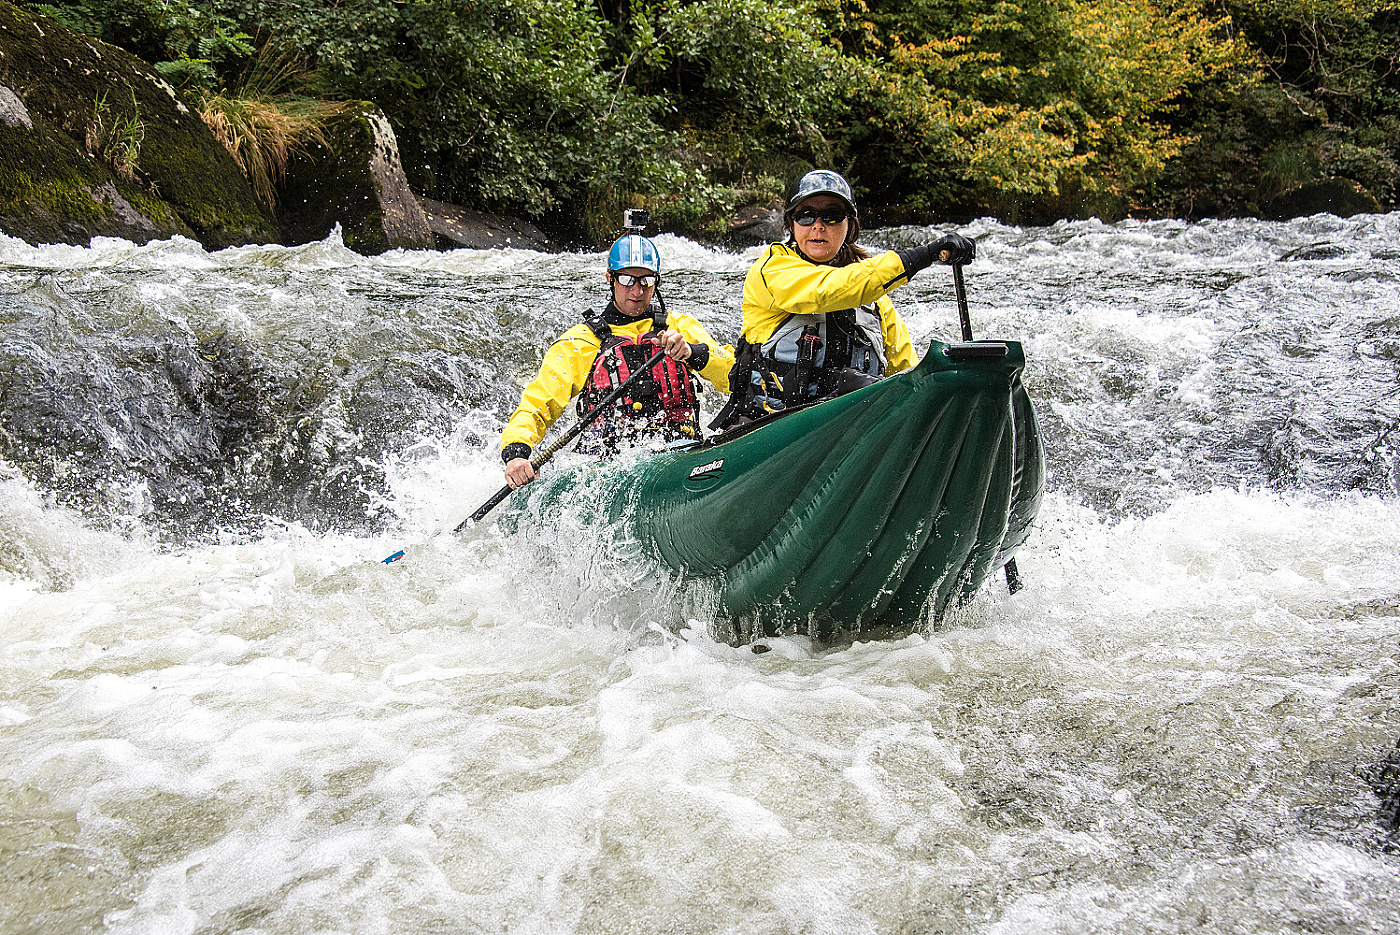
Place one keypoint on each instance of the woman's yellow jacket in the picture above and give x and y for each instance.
(782, 283)
(569, 362)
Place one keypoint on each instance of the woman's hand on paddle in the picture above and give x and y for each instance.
(519, 472)
(952, 249)
(674, 344)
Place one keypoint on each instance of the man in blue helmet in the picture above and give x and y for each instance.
(593, 357)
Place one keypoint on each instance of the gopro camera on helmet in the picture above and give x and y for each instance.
(635, 220)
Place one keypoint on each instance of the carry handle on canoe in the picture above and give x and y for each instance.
(1013, 577)
(540, 459)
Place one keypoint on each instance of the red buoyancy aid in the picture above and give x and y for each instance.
(663, 399)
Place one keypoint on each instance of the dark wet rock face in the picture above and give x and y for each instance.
(355, 180)
(1341, 197)
(93, 142)
(122, 408)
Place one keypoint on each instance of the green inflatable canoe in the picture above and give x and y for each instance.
(865, 513)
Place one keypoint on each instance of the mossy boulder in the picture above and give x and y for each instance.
(1338, 196)
(353, 179)
(105, 146)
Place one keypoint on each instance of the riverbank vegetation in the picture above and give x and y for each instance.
(1030, 110)
(264, 115)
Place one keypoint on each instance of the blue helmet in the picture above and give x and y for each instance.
(634, 250)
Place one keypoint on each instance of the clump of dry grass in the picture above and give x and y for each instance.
(263, 122)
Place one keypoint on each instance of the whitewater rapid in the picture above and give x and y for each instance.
(238, 719)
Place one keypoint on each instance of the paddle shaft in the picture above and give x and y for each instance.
(1013, 577)
(962, 302)
(540, 459)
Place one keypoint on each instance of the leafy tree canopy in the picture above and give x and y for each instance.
(570, 108)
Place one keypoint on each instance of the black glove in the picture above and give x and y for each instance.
(960, 252)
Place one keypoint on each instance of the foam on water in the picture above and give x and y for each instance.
(265, 735)
(1170, 729)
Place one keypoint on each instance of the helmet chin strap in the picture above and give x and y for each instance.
(658, 312)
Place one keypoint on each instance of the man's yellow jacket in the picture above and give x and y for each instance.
(569, 362)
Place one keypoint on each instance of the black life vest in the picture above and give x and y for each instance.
(807, 358)
(662, 401)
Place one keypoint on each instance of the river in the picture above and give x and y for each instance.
(220, 712)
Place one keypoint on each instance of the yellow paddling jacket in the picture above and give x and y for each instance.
(782, 284)
(812, 331)
(568, 364)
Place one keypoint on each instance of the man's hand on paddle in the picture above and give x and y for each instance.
(519, 472)
(674, 344)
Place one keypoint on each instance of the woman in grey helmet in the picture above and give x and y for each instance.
(816, 317)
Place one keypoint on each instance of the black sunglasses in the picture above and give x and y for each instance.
(831, 217)
(627, 280)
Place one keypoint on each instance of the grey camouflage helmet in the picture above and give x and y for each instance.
(823, 182)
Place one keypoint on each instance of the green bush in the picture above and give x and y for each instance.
(567, 109)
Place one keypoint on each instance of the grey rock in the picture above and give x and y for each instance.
(355, 180)
(128, 222)
(12, 110)
(755, 225)
(404, 223)
(464, 227)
